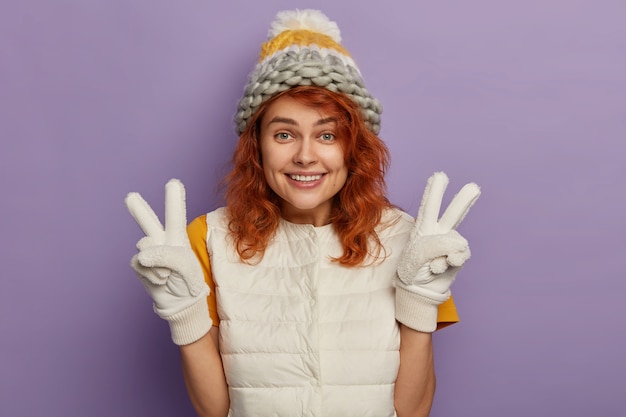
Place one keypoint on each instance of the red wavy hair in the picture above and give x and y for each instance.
(254, 209)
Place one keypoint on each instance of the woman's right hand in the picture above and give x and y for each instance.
(167, 266)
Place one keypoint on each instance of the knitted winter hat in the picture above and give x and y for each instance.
(303, 48)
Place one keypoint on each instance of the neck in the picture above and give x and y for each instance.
(319, 216)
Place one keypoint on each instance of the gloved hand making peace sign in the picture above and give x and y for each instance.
(168, 268)
(433, 256)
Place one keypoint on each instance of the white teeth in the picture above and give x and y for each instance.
(305, 177)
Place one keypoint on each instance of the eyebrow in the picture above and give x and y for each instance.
(287, 120)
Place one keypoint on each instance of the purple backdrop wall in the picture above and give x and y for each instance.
(98, 98)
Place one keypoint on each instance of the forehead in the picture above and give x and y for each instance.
(289, 108)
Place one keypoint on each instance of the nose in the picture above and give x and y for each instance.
(305, 152)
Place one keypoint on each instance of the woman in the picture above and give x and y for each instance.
(325, 294)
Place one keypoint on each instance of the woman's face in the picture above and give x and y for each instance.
(302, 158)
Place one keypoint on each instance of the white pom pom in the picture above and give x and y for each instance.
(308, 19)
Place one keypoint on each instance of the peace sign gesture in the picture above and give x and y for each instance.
(434, 240)
(167, 266)
(434, 254)
(174, 233)
(427, 222)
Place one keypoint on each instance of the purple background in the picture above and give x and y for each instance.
(527, 98)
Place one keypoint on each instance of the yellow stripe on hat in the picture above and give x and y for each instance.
(299, 37)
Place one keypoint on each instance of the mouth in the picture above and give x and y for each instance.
(305, 178)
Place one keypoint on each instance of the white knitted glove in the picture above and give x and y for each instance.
(168, 268)
(433, 256)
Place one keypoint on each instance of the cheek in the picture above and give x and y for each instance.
(266, 157)
(272, 166)
(271, 163)
(343, 177)
(338, 162)
(268, 172)
(341, 173)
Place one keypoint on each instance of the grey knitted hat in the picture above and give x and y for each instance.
(303, 48)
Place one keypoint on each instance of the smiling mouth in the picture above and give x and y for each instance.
(305, 178)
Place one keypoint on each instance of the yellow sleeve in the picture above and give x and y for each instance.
(197, 231)
(447, 314)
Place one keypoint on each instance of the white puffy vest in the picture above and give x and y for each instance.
(301, 335)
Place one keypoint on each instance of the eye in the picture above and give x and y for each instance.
(283, 136)
(327, 137)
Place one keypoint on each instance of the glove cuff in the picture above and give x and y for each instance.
(416, 311)
(190, 324)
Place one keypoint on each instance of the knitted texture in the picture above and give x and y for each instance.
(304, 49)
(190, 324)
(415, 311)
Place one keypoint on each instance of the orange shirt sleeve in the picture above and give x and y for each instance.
(447, 314)
(197, 231)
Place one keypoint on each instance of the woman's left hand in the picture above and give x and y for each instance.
(434, 254)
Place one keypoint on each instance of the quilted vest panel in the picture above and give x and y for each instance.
(301, 335)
